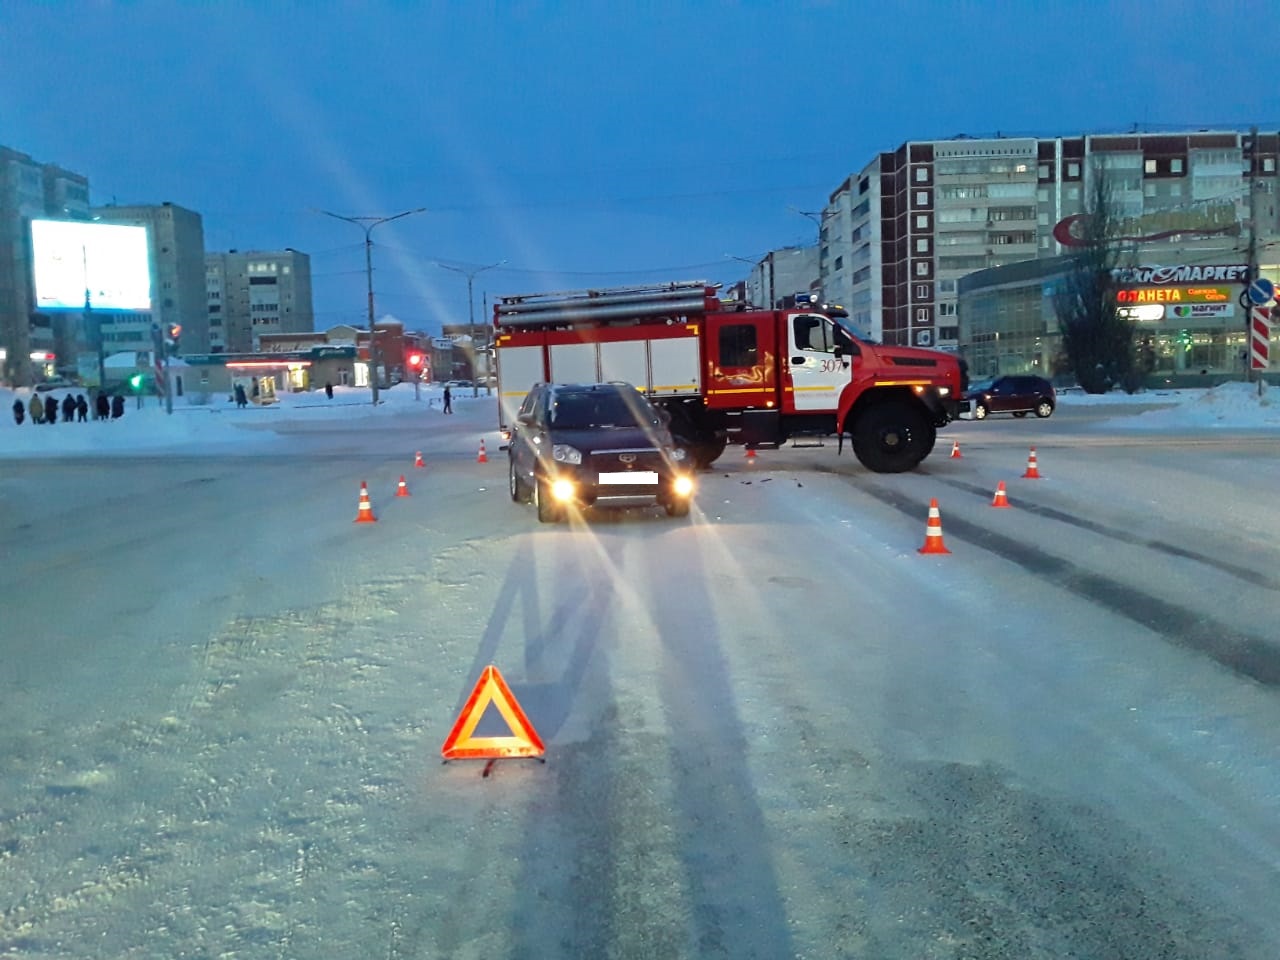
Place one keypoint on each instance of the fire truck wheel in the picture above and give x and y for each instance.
(548, 509)
(893, 437)
(705, 454)
(519, 491)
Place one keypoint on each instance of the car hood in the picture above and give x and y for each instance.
(592, 439)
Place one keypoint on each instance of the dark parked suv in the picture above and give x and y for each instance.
(1018, 394)
(597, 443)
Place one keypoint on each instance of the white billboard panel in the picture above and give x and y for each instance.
(110, 260)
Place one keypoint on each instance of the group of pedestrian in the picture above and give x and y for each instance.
(74, 409)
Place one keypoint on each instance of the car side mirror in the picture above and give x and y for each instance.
(838, 352)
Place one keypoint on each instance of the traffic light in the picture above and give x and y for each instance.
(135, 382)
(171, 335)
(415, 361)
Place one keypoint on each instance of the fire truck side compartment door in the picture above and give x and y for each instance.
(673, 364)
(519, 368)
(624, 360)
(573, 363)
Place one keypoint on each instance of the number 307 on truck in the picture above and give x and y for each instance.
(732, 374)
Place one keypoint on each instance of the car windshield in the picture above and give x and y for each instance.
(602, 408)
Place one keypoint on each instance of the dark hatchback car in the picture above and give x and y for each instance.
(1018, 394)
(595, 444)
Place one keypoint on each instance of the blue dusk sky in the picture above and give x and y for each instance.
(585, 144)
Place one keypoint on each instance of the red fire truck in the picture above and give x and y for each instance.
(727, 373)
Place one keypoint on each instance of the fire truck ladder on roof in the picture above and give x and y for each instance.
(615, 303)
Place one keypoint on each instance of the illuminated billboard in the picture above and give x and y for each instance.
(110, 261)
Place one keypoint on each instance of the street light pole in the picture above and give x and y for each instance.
(367, 224)
(471, 321)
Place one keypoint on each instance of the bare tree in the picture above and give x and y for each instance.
(1097, 338)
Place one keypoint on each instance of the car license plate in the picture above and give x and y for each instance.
(633, 476)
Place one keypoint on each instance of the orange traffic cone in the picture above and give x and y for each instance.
(365, 513)
(482, 457)
(933, 531)
(1032, 472)
(1001, 497)
(417, 459)
(955, 450)
(402, 490)
(751, 454)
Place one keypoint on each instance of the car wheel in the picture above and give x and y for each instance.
(677, 507)
(518, 492)
(548, 509)
(1044, 408)
(1019, 414)
(979, 411)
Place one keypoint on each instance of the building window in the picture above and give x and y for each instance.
(839, 264)
(922, 314)
(922, 244)
(922, 268)
(1073, 193)
(1073, 169)
(1175, 189)
(1043, 194)
(1043, 171)
(946, 309)
(922, 198)
(1175, 165)
(947, 286)
(922, 221)
(922, 291)
(922, 175)
(948, 333)
(1149, 166)
(1268, 164)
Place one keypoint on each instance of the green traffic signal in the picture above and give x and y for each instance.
(135, 382)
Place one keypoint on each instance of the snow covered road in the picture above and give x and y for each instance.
(773, 729)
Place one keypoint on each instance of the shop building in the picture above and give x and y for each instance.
(1189, 321)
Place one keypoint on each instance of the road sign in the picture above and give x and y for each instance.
(1262, 291)
(1260, 339)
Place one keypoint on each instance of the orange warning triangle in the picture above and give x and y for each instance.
(491, 688)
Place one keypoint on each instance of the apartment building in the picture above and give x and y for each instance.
(29, 189)
(177, 281)
(255, 292)
(896, 238)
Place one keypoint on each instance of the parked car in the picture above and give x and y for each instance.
(58, 383)
(1018, 394)
(595, 444)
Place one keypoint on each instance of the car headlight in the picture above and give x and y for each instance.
(682, 485)
(944, 391)
(562, 490)
(563, 453)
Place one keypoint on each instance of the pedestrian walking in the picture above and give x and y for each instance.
(68, 409)
(36, 409)
(448, 400)
(102, 406)
(82, 408)
(50, 409)
(328, 390)
(241, 400)
(117, 407)
(19, 412)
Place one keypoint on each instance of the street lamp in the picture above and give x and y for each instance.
(367, 224)
(471, 319)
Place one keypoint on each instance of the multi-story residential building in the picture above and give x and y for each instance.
(781, 274)
(896, 237)
(255, 292)
(29, 189)
(177, 278)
